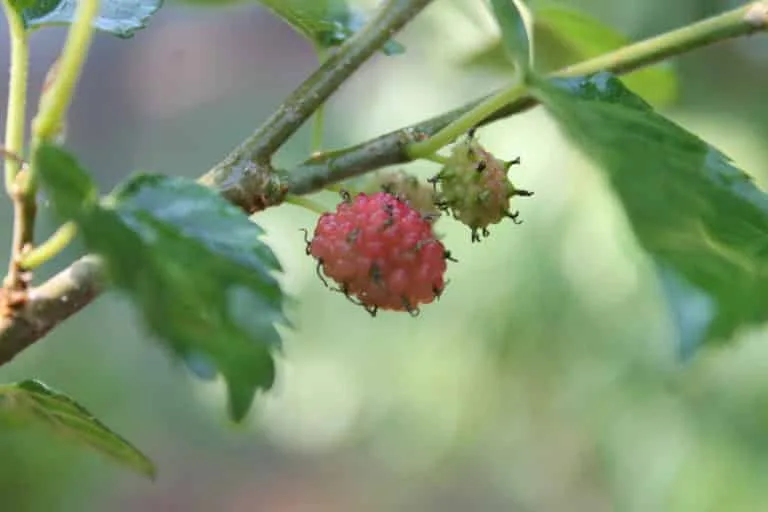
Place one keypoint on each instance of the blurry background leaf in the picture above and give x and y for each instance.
(563, 36)
(515, 22)
(119, 17)
(327, 23)
(32, 401)
(193, 263)
(700, 217)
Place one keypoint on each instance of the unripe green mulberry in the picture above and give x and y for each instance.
(473, 187)
(418, 194)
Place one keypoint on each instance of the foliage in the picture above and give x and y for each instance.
(192, 262)
(702, 219)
(32, 401)
(195, 264)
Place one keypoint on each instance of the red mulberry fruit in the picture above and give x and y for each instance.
(381, 251)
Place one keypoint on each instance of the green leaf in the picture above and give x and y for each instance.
(327, 23)
(564, 36)
(31, 401)
(194, 265)
(118, 17)
(515, 21)
(703, 220)
(586, 37)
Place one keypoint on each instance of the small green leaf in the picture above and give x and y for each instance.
(515, 21)
(327, 23)
(193, 263)
(703, 220)
(31, 401)
(564, 36)
(118, 17)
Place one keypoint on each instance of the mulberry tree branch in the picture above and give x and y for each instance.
(253, 155)
(252, 184)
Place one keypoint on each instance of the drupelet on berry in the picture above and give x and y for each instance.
(473, 186)
(381, 251)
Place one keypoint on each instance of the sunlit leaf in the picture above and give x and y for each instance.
(194, 265)
(515, 22)
(119, 17)
(31, 401)
(703, 220)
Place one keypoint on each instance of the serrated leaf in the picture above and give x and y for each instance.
(31, 401)
(118, 17)
(564, 36)
(703, 220)
(515, 22)
(327, 23)
(194, 265)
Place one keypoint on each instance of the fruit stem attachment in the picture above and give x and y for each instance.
(465, 122)
(46, 251)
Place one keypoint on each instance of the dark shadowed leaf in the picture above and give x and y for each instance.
(194, 264)
(327, 23)
(119, 17)
(32, 401)
(563, 36)
(515, 22)
(703, 220)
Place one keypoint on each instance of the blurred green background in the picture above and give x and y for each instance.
(546, 378)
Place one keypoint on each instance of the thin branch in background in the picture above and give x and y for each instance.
(255, 152)
(75, 287)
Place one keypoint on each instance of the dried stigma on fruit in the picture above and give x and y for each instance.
(473, 186)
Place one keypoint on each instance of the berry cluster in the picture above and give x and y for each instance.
(474, 188)
(380, 246)
(381, 251)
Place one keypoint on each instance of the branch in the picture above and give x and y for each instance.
(251, 190)
(245, 177)
(253, 155)
(50, 304)
(402, 146)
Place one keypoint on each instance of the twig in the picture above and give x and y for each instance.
(254, 154)
(24, 211)
(50, 304)
(73, 288)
